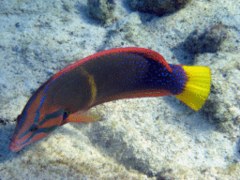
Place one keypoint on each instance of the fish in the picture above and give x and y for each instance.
(119, 73)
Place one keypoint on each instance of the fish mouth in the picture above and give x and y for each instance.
(16, 144)
(15, 147)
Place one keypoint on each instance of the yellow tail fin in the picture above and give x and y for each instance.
(197, 88)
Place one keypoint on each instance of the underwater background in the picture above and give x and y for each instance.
(148, 138)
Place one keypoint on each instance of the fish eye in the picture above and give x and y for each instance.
(65, 114)
(34, 127)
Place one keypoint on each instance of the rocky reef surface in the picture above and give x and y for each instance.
(149, 138)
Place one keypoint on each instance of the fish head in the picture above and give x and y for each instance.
(36, 121)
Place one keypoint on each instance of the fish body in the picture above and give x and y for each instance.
(105, 76)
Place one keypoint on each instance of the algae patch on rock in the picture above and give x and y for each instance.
(101, 9)
(159, 7)
(208, 41)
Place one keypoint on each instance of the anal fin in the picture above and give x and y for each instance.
(82, 117)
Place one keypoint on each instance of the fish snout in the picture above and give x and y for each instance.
(14, 147)
(15, 144)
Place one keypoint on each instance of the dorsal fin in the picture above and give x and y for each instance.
(143, 51)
